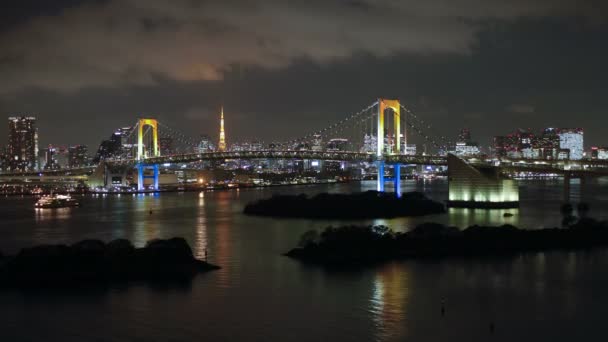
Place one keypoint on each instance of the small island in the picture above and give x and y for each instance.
(364, 205)
(357, 245)
(93, 263)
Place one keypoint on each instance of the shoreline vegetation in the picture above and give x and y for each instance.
(363, 205)
(357, 245)
(93, 263)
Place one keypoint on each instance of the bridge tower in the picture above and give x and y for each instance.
(383, 105)
(141, 155)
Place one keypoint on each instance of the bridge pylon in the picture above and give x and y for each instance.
(141, 156)
(395, 106)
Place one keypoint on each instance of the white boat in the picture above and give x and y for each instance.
(56, 201)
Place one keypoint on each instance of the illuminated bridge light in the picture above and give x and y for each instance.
(479, 187)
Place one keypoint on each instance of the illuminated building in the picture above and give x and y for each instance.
(479, 187)
(600, 153)
(548, 143)
(205, 145)
(222, 143)
(410, 149)
(551, 143)
(22, 143)
(464, 149)
(247, 146)
(119, 145)
(464, 146)
(369, 144)
(317, 142)
(77, 156)
(55, 158)
(571, 139)
(337, 144)
(49, 160)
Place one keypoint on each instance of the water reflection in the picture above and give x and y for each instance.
(53, 214)
(388, 304)
(200, 240)
(224, 250)
(463, 217)
(147, 226)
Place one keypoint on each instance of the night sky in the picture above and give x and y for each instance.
(285, 68)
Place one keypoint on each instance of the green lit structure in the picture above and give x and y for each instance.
(479, 187)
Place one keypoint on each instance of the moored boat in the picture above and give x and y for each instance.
(56, 201)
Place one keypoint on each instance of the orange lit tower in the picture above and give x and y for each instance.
(222, 144)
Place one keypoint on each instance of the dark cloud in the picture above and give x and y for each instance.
(122, 42)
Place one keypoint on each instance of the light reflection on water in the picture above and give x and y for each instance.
(389, 301)
(200, 244)
(45, 214)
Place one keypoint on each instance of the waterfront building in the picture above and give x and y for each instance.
(22, 143)
(77, 156)
(548, 143)
(600, 153)
(571, 139)
(49, 158)
(119, 145)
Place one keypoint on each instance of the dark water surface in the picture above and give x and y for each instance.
(260, 296)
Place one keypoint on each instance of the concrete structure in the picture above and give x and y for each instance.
(479, 186)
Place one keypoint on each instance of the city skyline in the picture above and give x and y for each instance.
(524, 65)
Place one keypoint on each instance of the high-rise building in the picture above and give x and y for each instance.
(548, 143)
(22, 143)
(571, 139)
(120, 144)
(205, 144)
(222, 143)
(77, 156)
(600, 153)
(50, 161)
